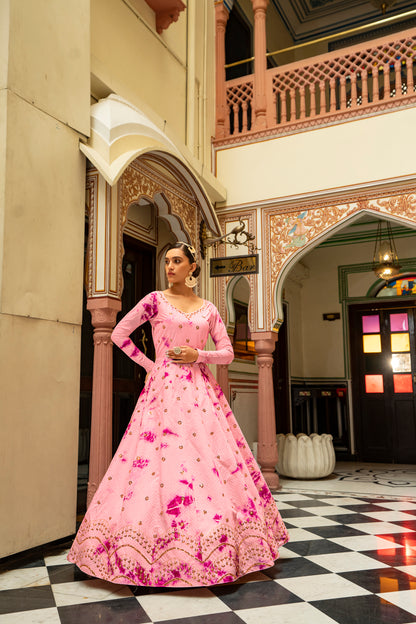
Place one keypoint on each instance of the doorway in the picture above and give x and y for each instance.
(128, 377)
(281, 378)
(383, 369)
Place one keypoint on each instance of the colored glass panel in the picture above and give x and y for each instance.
(400, 363)
(399, 322)
(374, 383)
(372, 343)
(403, 383)
(400, 342)
(371, 324)
(373, 363)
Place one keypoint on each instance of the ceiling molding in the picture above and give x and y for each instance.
(308, 19)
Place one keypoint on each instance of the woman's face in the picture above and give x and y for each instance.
(177, 266)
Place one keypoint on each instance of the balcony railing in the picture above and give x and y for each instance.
(352, 82)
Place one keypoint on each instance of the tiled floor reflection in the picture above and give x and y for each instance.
(351, 560)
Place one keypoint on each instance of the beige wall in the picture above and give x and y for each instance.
(129, 58)
(44, 109)
(356, 152)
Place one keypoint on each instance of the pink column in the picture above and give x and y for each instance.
(260, 64)
(267, 443)
(104, 313)
(222, 378)
(221, 18)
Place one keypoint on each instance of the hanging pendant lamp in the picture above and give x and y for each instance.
(385, 260)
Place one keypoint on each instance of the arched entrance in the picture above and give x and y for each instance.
(328, 284)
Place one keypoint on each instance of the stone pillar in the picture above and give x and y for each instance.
(260, 63)
(267, 443)
(222, 378)
(221, 18)
(104, 313)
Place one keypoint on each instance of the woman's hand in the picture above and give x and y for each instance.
(188, 355)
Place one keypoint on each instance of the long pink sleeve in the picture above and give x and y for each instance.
(223, 353)
(142, 312)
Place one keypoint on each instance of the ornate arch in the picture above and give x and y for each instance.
(294, 232)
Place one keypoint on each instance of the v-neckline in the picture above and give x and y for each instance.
(182, 311)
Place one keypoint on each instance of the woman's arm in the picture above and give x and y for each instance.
(142, 312)
(223, 353)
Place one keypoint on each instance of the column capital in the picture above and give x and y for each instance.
(259, 5)
(265, 342)
(221, 14)
(104, 311)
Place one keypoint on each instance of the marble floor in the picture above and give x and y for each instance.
(362, 478)
(351, 559)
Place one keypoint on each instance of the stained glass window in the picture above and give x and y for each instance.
(372, 343)
(400, 342)
(371, 324)
(399, 322)
(374, 384)
(399, 288)
(403, 383)
(400, 363)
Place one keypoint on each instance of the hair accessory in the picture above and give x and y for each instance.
(191, 281)
(190, 248)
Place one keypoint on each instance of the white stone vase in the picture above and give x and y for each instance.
(305, 457)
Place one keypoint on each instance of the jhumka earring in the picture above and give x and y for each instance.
(191, 281)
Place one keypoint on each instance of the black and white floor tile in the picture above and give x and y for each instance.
(351, 559)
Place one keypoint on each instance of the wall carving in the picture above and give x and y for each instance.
(90, 203)
(285, 232)
(222, 282)
(139, 179)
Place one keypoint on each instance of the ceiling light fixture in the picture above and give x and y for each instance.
(385, 260)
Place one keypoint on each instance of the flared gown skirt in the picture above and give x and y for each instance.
(183, 502)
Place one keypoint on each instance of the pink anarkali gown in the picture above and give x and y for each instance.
(183, 502)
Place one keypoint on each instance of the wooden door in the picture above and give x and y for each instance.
(383, 366)
(128, 378)
(281, 380)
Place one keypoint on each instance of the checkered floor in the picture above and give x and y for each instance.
(350, 560)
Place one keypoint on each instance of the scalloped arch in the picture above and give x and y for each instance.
(120, 133)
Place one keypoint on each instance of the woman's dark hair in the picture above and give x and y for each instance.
(189, 254)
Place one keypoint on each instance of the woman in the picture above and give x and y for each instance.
(183, 502)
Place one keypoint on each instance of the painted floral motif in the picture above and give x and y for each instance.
(292, 230)
(140, 463)
(183, 502)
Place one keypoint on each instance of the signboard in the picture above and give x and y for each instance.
(234, 265)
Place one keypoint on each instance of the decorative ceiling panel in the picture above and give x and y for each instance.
(308, 19)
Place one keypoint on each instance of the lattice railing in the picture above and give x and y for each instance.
(350, 82)
(239, 97)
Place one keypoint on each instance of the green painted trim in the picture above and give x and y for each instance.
(380, 281)
(363, 237)
(407, 264)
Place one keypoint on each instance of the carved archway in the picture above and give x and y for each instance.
(294, 233)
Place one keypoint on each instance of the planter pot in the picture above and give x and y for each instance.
(305, 457)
